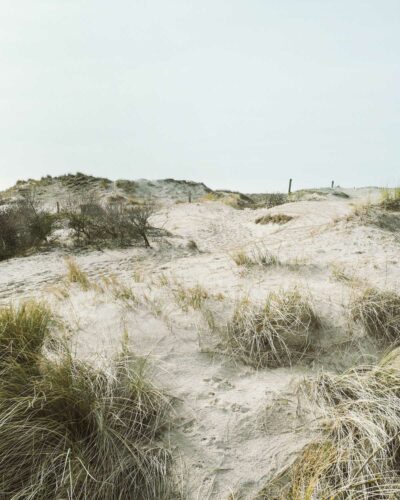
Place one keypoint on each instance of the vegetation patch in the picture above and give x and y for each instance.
(258, 256)
(123, 223)
(385, 214)
(76, 275)
(379, 313)
(24, 225)
(190, 297)
(356, 452)
(126, 185)
(274, 219)
(68, 430)
(276, 333)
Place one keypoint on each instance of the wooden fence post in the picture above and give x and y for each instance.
(290, 186)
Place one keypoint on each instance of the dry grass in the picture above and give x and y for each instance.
(274, 219)
(76, 275)
(339, 273)
(379, 313)
(258, 256)
(356, 455)
(120, 291)
(190, 297)
(70, 431)
(162, 280)
(276, 333)
(390, 198)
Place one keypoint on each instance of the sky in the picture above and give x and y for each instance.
(239, 94)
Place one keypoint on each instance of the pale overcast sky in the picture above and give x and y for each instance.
(241, 94)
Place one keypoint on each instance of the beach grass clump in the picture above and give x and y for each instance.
(274, 219)
(275, 333)
(356, 452)
(69, 430)
(125, 294)
(390, 198)
(258, 256)
(23, 331)
(76, 275)
(187, 297)
(379, 313)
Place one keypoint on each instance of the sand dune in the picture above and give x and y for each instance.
(234, 426)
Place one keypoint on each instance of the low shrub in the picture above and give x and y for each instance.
(123, 223)
(23, 225)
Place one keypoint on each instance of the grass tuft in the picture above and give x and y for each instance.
(76, 275)
(259, 256)
(356, 453)
(23, 331)
(68, 430)
(190, 297)
(274, 219)
(379, 313)
(276, 333)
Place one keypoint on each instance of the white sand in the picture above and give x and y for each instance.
(234, 426)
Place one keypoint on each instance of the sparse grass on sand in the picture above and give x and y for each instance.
(390, 198)
(76, 275)
(258, 256)
(274, 219)
(68, 430)
(379, 313)
(120, 291)
(190, 297)
(356, 453)
(276, 333)
(339, 273)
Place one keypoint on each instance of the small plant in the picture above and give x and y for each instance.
(190, 297)
(76, 275)
(274, 219)
(339, 273)
(163, 280)
(259, 256)
(192, 245)
(120, 291)
(379, 313)
(275, 333)
(125, 294)
(138, 276)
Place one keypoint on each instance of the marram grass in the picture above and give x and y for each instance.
(70, 431)
(356, 455)
(379, 313)
(275, 333)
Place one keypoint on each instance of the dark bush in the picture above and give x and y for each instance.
(92, 223)
(23, 225)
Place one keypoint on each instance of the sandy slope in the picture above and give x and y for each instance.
(234, 426)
